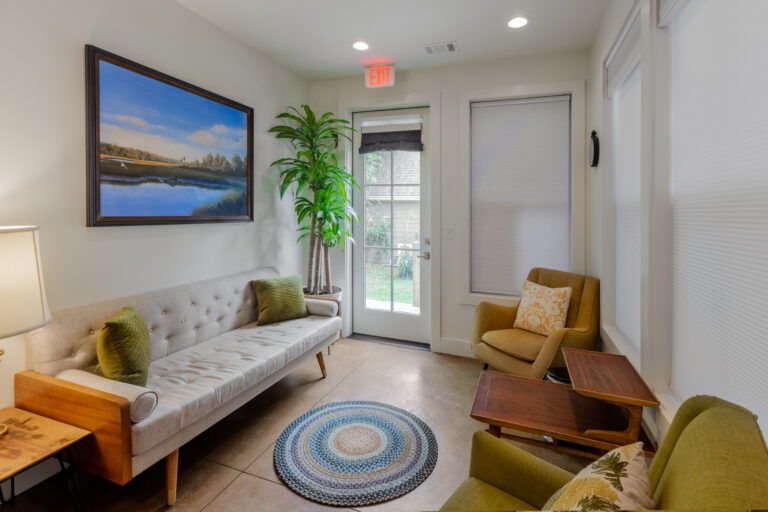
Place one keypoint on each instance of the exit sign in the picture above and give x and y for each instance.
(380, 76)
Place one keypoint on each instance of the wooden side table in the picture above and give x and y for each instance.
(610, 378)
(586, 419)
(31, 439)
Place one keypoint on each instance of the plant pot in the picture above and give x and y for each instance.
(335, 294)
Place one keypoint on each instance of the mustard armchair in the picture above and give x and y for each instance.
(518, 352)
(713, 457)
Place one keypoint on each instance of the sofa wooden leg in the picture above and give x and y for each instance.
(485, 366)
(321, 362)
(171, 475)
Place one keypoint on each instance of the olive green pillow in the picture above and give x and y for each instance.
(123, 348)
(279, 299)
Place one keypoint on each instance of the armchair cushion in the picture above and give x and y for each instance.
(519, 343)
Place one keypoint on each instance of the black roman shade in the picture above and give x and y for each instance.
(403, 140)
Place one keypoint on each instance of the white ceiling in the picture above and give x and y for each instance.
(314, 37)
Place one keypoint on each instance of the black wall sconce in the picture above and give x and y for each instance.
(594, 150)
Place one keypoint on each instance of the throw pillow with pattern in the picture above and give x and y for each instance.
(542, 309)
(618, 480)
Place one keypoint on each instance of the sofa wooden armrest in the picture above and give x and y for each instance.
(107, 453)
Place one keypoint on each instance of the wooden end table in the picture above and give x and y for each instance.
(600, 411)
(610, 378)
(30, 440)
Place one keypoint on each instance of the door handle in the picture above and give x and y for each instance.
(424, 256)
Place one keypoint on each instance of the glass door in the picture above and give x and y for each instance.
(391, 255)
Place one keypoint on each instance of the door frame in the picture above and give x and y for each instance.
(393, 324)
(364, 103)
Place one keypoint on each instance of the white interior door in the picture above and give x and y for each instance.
(392, 241)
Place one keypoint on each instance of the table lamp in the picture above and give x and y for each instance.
(23, 306)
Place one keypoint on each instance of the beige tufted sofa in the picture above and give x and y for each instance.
(208, 359)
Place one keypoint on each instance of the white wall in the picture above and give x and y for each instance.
(449, 82)
(42, 143)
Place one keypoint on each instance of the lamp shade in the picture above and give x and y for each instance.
(23, 306)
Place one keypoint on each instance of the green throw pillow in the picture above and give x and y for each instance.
(123, 348)
(279, 299)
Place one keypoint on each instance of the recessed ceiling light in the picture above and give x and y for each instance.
(360, 45)
(518, 22)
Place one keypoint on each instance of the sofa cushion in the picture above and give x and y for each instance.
(279, 299)
(123, 348)
(194, 381)
(518, 343)
(474, 494)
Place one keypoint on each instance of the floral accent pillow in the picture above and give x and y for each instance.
(618, 480)
(542, 309)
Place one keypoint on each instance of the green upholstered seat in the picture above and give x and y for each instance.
(474, 494)
(713, 457)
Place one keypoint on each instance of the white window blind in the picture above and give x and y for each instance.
(719, 193)
(624, 91)
(520, 194)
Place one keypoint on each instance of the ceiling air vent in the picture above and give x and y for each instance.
(439, 48)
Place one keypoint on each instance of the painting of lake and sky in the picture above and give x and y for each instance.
(167, 152)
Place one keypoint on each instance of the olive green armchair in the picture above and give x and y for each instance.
(713, 457)
(519, 352)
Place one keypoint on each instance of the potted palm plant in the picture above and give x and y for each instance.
(321, 200)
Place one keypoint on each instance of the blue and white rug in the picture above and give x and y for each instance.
(355, 453)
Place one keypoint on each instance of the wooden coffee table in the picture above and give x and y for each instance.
(586, 419)
(31, 439)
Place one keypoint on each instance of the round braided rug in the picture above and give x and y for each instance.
(355, 453)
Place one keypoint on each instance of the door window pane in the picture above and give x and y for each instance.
(406, 167)
(406, 281)
(406, 217)
(378, 168)
(378, 279)
(378, 216)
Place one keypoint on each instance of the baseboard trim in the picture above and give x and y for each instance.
(456, 347)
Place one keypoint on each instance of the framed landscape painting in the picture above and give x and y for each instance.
(161, 150)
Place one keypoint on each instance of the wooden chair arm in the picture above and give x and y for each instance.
(107, 453)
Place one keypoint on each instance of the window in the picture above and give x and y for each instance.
(623, 90)
(520, 191)
(718, 191)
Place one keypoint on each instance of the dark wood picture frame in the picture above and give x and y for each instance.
(93, 57)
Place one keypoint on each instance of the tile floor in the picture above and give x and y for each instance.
(229, 467)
